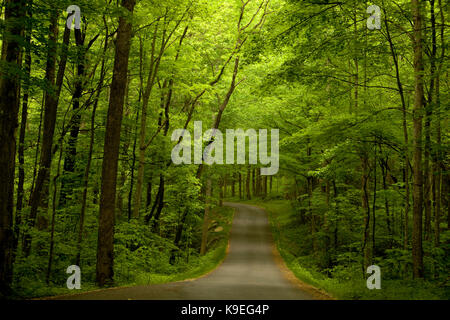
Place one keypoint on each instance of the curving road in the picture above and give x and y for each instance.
(249, 272)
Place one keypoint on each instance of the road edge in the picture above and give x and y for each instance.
(316, 293)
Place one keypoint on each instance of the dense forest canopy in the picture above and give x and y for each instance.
(90, 99)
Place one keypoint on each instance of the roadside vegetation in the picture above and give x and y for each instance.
(344, 280)
(143, 259)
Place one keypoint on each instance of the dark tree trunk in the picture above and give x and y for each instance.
(428, 173)
(240, 186)
(149, 192)
(247, 184)
(39, 196)
(105, 246)
(233, 182)
(367, 249)
(255, 193)
(68, 180)
(271, 179)
(23, 125)
(9, 110)
(160, 201)
(384, 172)
(405, 135)
(205, 227)
(336, 209)
(417, 251)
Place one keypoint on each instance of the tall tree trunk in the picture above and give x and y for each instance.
(265, 186)
(68, 180)
(240, 186)
(23, 125)
(438, 154)
(255, 192)
(247, 184)
(405, 132)
(154, 64)
(159, 204)
(374, 205)
(384, 173)
(205, 227)
(233, 182)
(9, 110)
(367, 249)
(417, 251)
(428, 173)
(105, 246)
(53, 220)
(336, 224)
(88, 166)
(39, 196)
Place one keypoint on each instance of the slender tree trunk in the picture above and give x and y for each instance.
(53, 221)
(23, 125)
(221, 191)
(149, 192)
(384, 173)
(105, 246)
(233, 182)
(336, 224)
(39, 196)
(366, 209)
(438, 154)
(417, 251)
(159, 202)
(255, 192)
(154, 66)
(206, 217)
(87, 169)
(240, 186)
(68, 180)
(247, 184)
(374, 205)
(405, 134)
(428, 173)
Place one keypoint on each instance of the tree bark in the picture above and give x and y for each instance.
(247, 184)
(405, 133)
(39, 196)
(154, 65)
(417, 251)
(23, 125)
(367, 249)
(206, 217)
(428, 173)
(9, 110)
(67, 181)
(105, 246)
(240, 186)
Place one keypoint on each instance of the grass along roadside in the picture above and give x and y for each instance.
(288, 235)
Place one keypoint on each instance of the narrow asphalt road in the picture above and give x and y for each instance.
(249, 272)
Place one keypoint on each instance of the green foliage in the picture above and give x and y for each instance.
(346, 280)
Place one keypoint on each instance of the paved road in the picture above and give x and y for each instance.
(249, 271)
